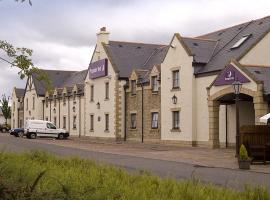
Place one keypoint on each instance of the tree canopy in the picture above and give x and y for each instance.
(6, 110)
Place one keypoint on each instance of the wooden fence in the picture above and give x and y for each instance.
(256, 138)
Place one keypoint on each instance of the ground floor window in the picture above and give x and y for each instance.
(91, 122)
(106, 122)
(47, 119)
(176, 119)
(54, 121)
(133, 120)
(64, 122)
(154, 123)
(74, 122)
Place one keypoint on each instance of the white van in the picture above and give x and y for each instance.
(40, 128)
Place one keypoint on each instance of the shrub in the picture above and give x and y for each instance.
(243, 154)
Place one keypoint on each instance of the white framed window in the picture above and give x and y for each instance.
(33, 106)
(92, 93)
(106, 122)
(154, 83)
(154, 121)
(133, 87)
(175, 78)
(91, 122)
(176, 119)
(26, 103)
(64, 121)
(133, 120)
(107, 90)
(74, 122)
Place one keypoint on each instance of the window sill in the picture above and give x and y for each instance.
(175, 130)
(106, 131)
(154, 128)
(91, 130)
(132, 95)
(154, 92)
(106, 99)
(133, 129)
(91, 101)
(74, 128)
(175, 89)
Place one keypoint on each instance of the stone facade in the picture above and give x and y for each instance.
(151, 104)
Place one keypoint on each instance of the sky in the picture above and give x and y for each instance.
(62, 33)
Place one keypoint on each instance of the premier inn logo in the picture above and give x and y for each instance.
(228, 75)
(98, 69)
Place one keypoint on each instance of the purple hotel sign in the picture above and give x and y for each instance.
(229, 75)
(98, 69)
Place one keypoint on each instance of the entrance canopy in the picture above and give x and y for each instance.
(265, 119)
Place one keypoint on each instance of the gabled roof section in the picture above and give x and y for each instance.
(127, 56)
(19, 92)
(227, 38)
(201, 49)
(59, 79)
(261, 73)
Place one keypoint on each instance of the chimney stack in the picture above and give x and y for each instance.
(103, 36)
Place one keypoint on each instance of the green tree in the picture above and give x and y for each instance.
(6, 110)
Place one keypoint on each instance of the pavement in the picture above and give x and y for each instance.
(218, 166)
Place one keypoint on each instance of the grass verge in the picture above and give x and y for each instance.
(38, 175)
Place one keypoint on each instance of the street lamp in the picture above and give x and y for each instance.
(174, 99)
(237, 85)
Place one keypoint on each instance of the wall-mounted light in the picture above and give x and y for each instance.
(174, 99)
(98, 105)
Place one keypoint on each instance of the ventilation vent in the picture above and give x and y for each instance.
(219, 34)
(195, 44)
(120, 45)
(139, 47)
(241, 41)
(257, 72)
(260, 23)
(240, 28)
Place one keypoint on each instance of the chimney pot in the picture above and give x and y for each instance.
(103, 29)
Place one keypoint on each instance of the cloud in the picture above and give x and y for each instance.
(62, 33)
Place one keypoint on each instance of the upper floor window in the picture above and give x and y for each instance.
(154, 123)
(33, 106)
(92, 93)
(54, 100)
(107, 90)
(64, 98)
(175, 78)
(133, 87)
(46, 102)
(154, 83)
(26, 103)
(74, 97)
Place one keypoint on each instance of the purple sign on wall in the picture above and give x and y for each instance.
(229, 75)
(98, 69)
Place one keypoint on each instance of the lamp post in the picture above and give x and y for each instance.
(237, 85)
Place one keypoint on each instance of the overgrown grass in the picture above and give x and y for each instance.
(38, 175)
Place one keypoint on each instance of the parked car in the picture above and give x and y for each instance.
(17, 132)
(41, 128)
(4, 128)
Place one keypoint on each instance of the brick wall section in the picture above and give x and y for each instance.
(151, 103)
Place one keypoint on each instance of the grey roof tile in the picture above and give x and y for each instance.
(228, 37)
(60, 79)
(262, 74)
(128, 56)
(19, 92)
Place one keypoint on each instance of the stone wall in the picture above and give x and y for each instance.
(134, 105)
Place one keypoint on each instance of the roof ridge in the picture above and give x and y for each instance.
(223, 29)
(204, 39)
(137, 43)
(262, 66)
(248, 23)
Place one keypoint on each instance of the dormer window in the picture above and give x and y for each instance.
(54, 100)
(64, 98)
(133, 87)
(74, 97)
(241, 41)
(154, 83)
